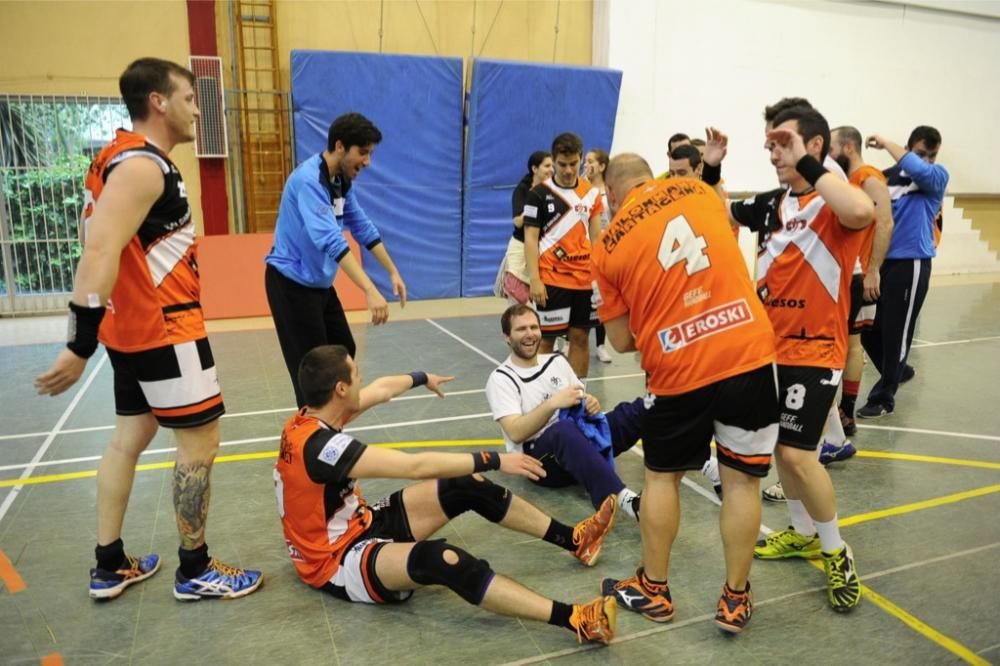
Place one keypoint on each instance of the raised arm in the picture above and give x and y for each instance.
(851, 206)
(381, 463)
(385, 389)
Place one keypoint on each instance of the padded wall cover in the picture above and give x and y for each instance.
(412, 190)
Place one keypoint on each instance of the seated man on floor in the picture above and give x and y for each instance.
(379, 553)
(527, 395)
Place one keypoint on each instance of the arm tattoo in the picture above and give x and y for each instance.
(191, 495)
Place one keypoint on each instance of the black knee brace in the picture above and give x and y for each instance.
(467, 577)
(479, 494)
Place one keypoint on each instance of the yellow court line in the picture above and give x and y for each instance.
(918, 625)
(919, 506)
(241, 457)
(910, 457)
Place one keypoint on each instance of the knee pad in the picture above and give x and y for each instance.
(466, 575)
(479, 494)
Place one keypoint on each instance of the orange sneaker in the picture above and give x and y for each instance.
(595, 621)
(588, 535)
(639, 595)
(734, 609)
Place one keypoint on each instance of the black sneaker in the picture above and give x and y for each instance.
(908, 373)
(872, 410)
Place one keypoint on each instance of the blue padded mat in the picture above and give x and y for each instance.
(412, 190)
(515, 109)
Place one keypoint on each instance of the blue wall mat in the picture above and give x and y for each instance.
(515, 109)
(412, 190)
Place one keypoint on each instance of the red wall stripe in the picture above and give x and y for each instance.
(214, 202)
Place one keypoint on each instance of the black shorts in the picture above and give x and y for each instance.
(565, 309)
(805, 396)
(178, 383)
(356, 579)
(862, 314)
(740, 412)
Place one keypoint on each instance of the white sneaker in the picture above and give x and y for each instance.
(602, 354)
(711, 471)
(774, 493)
(561, 345)
(628, 501)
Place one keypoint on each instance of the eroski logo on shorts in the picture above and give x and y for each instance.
(710, 322)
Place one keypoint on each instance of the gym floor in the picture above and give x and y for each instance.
(914, 504)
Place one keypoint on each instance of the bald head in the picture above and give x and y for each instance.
(624, 172)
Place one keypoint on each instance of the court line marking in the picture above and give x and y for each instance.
(944, 343)
(463, 342)
(8, 574)
(255, 455)
(919, 506)
(15, 491)
(936, 460)
(906, 457)
(256, 440)
(278, 410)
(937, 433)
(918, 625)
(673, 626)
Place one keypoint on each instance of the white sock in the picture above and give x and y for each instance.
(834, 431)
(829, 536)
(625, 497)
(801, 520)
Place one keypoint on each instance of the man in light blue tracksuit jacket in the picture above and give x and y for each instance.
(309, 246)
(916, 185)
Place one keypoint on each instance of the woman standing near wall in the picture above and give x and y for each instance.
(594, 164)
(512, 278)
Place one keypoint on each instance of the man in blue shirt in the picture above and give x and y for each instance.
(916, 187)
(309, 246)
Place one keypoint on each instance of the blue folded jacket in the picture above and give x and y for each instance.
(595, 428)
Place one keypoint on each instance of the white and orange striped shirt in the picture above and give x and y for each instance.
(804, 278)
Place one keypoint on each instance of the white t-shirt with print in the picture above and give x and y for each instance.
(513, 390)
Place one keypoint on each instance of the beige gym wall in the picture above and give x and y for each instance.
(81, 47)
(548, 31)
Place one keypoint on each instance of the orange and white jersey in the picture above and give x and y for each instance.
(321, 508)
(858, 178)
(155, 301)
(669, 260)
(804, 280)
(562, 216)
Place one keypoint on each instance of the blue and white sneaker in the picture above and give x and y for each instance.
(218, 581)
(833, 453)
(109, 584)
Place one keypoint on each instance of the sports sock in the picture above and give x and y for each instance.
(849, 397)
(560, 535)
(110, 557)
(193, 562)
(561, 614)
(801, 520)
(829, 535)
(834, 431)
(650, 585)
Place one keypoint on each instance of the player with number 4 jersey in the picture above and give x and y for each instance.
(667, 260)
(671, 283)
